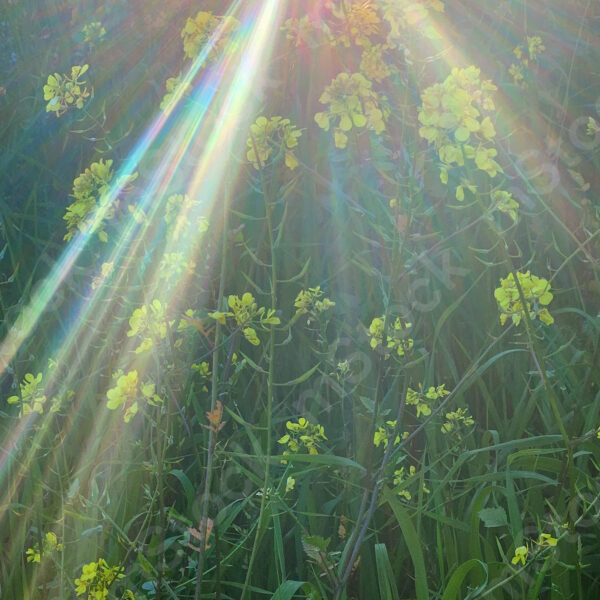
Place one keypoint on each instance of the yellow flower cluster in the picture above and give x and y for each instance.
(90, 190)
(32, 395)
(536, 291)
(174, 264)
(298, 30)
(207, 29)
(373, 63)
(309, 302)
(522, 552)
(457, 421)
(403, 15)
(400, 476)
(50, 544)
(451, 118)
(535, 47)
(271, 134)
(396, 335)
(247, 315)
(96, 578)
(126, 393)
(64, 91)
(504, 202)
(420, 398)
(302, 435)
(150, 323)
(351, 103)
(355, 22)
(93, 32)
(174, 87)
(384, 432)
(179, 211)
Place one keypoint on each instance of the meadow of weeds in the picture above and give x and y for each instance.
(299, 299)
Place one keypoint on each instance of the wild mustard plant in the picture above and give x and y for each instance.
(384, 432)
(50, 544)
(247, 316)
(96, 578)
(207, 29)
(90, 190)
(457, 422)
(536, 291)
(402, 476)
(174, 87)
(396, 335)
(309, 302)
(66, 91)
(128, 391)
(149, 322)
(32, 397)
(420, 399)
(452, 120)
(521, 554)
(355, 22)
(182, 216)
(505, 203)
(352, 103)
(373, 63)
(526, 55)
(302, 435)
(267, 135)
(93, 32)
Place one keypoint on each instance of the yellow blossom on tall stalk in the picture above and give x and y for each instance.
(521, 554)
(351, 103)
(267, 135)
(207, 29)
(128, 391)
(247, 315)
(401, 476)
(149, 322)
(175, 87)
(373, 63)
(32, 397)
(383, 433)
(310, 302)
(533, 47)
(457, 421)
(50, 544)
(537, 295)
(96, 578)
(90, 190)
(65, 91)
(302, 435)
(420, 398)
(93, 32)
(451, 115)
(182, 217)
(355, 22)
(396, 335)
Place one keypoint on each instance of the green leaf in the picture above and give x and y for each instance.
(493, 517)
(453, 589)
(286, 590)
(300, 378)
(413, 543)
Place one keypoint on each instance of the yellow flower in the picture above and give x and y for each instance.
(92, 32)
(537, 295)
(302, 435)
(207, 30)
(64, 91)
(451, 119)
(289, 484)
(520, 555)
(396, 335)
(149, 322)
(547, 540)
(271, 134)
(32, 398)
(175, 89)
(351, 103)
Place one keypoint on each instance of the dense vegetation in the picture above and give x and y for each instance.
(299, 299)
